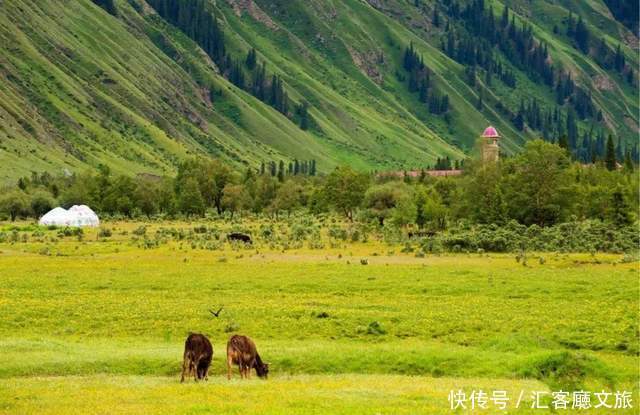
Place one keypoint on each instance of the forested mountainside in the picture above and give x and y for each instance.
(139, 85)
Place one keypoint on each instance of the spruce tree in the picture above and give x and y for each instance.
(619, 213)
(582, 36)
(251, 59)
(281, 171)
(303, 112)
(628, 162)
(572, 129)
(564, 142)
(610, 156)
(618, 60)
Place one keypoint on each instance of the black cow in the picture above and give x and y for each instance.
(236, 236)
(198, 353)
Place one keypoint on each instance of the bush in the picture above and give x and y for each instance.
(566, 370)
(231, 327)
(586, 236)
(104, 233)
(376, 328)
(68, 231)
(140, 230)
(336, 232)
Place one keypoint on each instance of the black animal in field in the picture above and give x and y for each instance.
(241, 351)
(198, 353)
(241, 237)
(420, 234)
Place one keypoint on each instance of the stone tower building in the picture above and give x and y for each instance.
(490, 149)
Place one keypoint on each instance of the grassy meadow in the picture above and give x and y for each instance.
(96, 324)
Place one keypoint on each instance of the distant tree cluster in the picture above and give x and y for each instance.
(197, 19)
(625, 11)
(477, 52)
(444, 163)
(420, 82)
(108, 6)
(606, 57)
(562, 127)
(517, 43)
(293, 168)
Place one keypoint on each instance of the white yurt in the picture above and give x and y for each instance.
(77, 215)
(84, 216)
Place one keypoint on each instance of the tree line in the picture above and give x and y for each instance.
(540, 186)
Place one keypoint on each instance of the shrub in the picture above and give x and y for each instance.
(336, 232)
(231, 327)
(140, 230)
(104, 233)
(376, 328)
(566, 370)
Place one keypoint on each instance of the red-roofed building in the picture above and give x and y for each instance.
(490, 149)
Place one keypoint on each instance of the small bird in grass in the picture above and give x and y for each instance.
(217, 313)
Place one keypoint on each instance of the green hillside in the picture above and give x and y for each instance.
(140, 87)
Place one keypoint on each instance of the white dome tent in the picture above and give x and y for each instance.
(77, 215)
(84, 216)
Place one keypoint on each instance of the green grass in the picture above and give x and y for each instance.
(308, 394)
(99, 326)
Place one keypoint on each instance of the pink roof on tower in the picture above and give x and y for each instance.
(490, 132)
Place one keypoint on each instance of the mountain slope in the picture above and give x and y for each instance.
(81, 87)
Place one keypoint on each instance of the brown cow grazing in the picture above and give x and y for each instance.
(242, 351)
(198, 353)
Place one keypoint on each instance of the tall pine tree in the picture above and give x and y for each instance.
(610, 156)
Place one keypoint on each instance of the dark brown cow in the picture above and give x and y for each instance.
(242, 351)
(241, 237)
(198, 353)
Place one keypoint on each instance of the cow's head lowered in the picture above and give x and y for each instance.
(262, 369)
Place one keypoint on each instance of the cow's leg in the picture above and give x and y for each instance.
(185, 365)
(249, 367)
(229, 364)
(194, 370)
(206, 373)
(198, 371)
